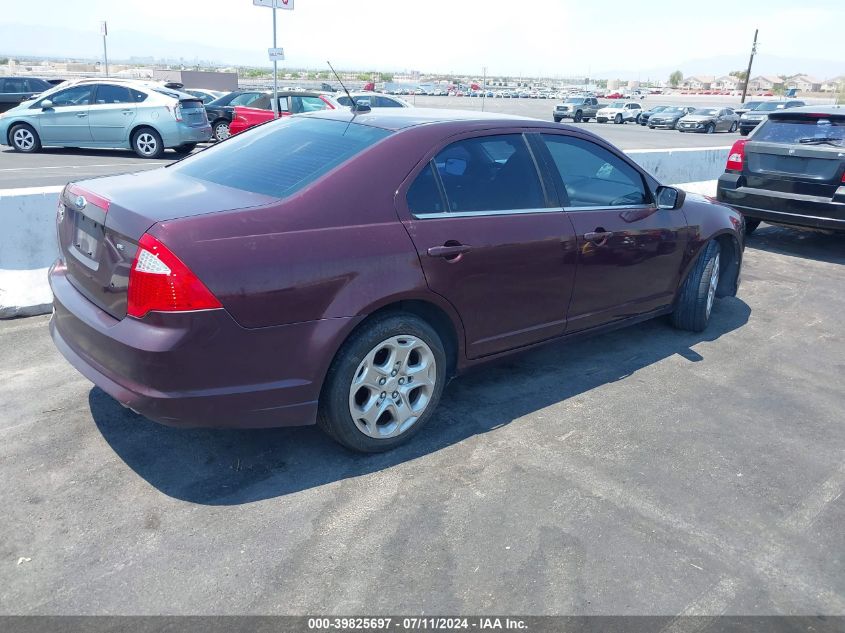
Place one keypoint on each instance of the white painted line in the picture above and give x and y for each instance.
(676, 149)
(160, 162)
(29, 191)
(712, 603)
(809, 510)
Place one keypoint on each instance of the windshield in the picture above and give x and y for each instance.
(615, 106)
(656, 109)
(803, 131)
(673, 110)
(770, 106)
(750, 105)
(279, 158)
(706, 111)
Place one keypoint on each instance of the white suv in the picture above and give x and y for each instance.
(620, 112)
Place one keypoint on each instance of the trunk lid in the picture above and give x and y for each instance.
(101, 221)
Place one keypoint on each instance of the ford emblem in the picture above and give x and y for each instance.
(81, 202)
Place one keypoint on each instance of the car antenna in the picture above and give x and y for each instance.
(355, 106)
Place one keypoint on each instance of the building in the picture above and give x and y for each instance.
(834, 84)
(804, 83)
(699, 82)
(209, 80)
(728, 82)
(766, 82)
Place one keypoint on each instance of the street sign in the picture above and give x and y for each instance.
(276, 54)
(104, 29)
(274, 4)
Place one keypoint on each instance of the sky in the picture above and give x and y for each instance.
(509, 37)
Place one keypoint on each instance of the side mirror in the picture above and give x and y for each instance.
(670, 198)
(46, 104)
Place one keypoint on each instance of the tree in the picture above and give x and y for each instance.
(4, 61)
(675, 78)
(363, 76)
(387, 77)
(742, 75)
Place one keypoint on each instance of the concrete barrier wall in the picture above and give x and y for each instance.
(673, 166)
(27, 249)
(28, 238)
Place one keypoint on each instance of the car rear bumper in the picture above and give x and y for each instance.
(780, 207)
(197, 369)
(184, 134)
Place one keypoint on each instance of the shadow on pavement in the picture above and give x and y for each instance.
(224, 467)
(823, 246)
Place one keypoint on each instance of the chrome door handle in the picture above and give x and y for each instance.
(597, 236)
(449, 251)
(126, 111)
(81, 114)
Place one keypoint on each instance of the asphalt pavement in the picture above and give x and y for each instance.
(647, 471)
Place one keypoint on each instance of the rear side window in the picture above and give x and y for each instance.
(384, 102)
(37, 85)
(299, 105)
(14, 84)
(248, 98)
(424, 194)
(282, 157)
(490, 173)
(798, 131)
(593, 176)
(107, 94)
(138, 96)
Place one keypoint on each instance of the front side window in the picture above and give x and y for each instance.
(245, 99)
(299, 105)
(76, 96)
(592, 176)
(384, 102)
(490, 173)
(282, 157)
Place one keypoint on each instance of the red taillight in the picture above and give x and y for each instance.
(736, 155)
(159, 281)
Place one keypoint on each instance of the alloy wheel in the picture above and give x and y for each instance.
(23, 139)
(392, 386)
(714, 282)
(221, 131)
(146, 144)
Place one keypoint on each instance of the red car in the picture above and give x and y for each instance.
(245, 117)
(614, 95)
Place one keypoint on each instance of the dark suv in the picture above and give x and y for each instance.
(753, 118)
(16, 90)
(791, 170)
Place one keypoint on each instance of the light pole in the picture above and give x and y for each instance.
(104, 31)
(484, 88)
(275, 69)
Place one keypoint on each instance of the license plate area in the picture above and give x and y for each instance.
(88, 237)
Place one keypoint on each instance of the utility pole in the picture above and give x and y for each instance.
(275, 70)
(104, 31)
(484, 88)
(750, 61)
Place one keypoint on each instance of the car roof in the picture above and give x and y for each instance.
(395, 119)
(832, 110)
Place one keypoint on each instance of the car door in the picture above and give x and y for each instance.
(111, 114)
(491, 241)
(629, 251)
(65, 122)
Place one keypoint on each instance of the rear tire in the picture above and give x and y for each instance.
(734, 126)
(751, 225)
(147, 143)
(220, 130)
(698, 292)
(23, 138)
(399, 353)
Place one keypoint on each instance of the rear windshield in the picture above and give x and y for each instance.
(797, 131)
(282, 157)
(770, 105)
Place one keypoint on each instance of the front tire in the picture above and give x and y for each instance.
(384, 384)
(710, 129)
(618, 119)
(557, 119)
(578, 116)
(24, 139)
(698, 293)
(147, 143)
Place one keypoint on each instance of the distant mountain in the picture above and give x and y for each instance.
(722, 65)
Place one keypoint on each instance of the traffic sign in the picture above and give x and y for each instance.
(276, 54)
(274, 4)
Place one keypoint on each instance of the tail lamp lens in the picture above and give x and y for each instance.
(160, 281)
(736, 156)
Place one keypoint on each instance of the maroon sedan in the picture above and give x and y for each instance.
(340, 267)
